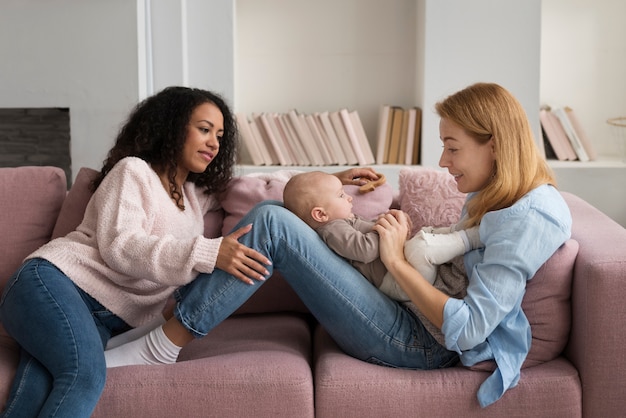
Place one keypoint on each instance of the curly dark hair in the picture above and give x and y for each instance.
(156, 131)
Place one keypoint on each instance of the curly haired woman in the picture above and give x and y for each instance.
(140, 239)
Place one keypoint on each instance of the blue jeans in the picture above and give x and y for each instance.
(363, 321)
(62, 332)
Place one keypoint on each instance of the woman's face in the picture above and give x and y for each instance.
(205, 129)
(470, 162)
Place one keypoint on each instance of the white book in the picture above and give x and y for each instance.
(256, 133)
(290, 146)
(352, 137)
(582, 134)
(320, 140)
(342, 136)
(290, 136)
(272, 146)
(326, 128)
(305, 140)
(571, 134)
(362, 136)
(250, 153)
(313, 145)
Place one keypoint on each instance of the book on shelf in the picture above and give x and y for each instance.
(410, 136)
(548, 150)
(582, 134)
(295, 138)
(362, 136)
(320, 140)
(403, 137)
(556, 135)
(354, 140)
(326, 129)
(570, 133)
(398, 135)
(417, 137)
(251, 154)
(275, 153)
(393, 141)
(384, 115)
(293, 147)
(261, 146)
(342, 136)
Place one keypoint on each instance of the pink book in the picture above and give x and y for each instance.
(556, 135)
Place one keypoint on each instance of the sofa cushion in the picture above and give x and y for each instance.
(31, 200)
(429, 197)
(77, 198)
(246, 191)
(254, 366)
(347, 387)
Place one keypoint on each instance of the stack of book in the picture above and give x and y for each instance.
(564, 137)
(297, 139)
(399, 132)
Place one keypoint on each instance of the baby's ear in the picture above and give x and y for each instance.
(319, 214)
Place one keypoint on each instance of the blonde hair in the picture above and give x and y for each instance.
(488, 111)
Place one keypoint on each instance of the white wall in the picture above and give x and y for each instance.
(473, 41)
(76, 54)
(324, 55)
(328, 54)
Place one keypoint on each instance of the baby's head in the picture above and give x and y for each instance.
(317, 198)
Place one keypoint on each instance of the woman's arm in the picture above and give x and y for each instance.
(392, 229)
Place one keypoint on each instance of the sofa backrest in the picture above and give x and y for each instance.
(31, 198)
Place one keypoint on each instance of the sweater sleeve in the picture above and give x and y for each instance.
(352, 239)
(135, 231)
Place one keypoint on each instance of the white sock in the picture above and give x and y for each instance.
(135, 333)
(152, 348)
(441, 248)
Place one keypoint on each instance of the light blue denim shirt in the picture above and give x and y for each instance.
(489, 324)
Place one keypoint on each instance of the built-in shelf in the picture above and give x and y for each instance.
(603, 162)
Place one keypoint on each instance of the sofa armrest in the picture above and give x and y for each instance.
(598, 335)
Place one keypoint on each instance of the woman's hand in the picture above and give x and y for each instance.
(240, 261)
(357, 176)
(393, 229)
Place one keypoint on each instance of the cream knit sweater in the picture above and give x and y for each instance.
(134, 246)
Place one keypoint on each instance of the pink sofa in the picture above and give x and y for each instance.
(271, 359)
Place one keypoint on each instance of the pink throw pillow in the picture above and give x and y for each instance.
(547, 305)
(429, 197)
(245, 192)
(74, 205)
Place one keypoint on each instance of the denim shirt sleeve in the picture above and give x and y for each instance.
(489, 322)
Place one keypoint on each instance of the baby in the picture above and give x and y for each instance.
(319, 199)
